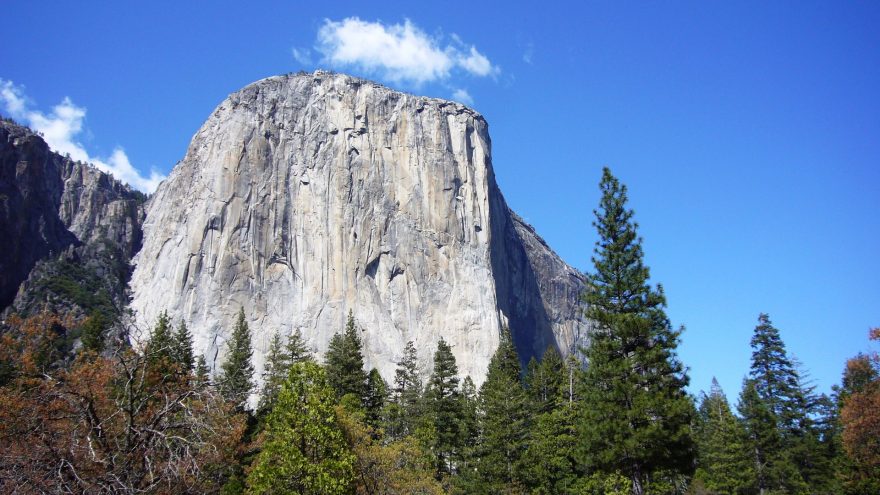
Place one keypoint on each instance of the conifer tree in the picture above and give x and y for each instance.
(636, 414)
(504, 420)
(772, 469)
(345, 362)
(546, 380)
(160, 345)
(404, 411)
(374, 400)
(202, 372)
(469, 406)
(93, 331)
(774, 375)
(304, 450)
(274, 373)
(183, 349)
(723, 462)
(297, 350)
(444, 406)
(237, 372)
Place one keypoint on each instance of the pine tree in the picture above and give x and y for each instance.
(723, 464)
(772, 470)
(297, 350)
(404, 409)
(202, 372)
(444, 405)
(274, 373)
(345, 362)
(304, 450)
(552, 454)
(182, 350)
(546, 381)
(774, 375)
(93, 331)
(504, 420)
(160, 346)
(237, 372)
(469, 405)
(374, 401)
(636, 414)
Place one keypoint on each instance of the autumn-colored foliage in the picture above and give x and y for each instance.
(106, 424)
(860, 416)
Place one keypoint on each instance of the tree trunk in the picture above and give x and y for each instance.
(638, 487)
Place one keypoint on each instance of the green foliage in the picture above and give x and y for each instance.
(274, 373)
(444, 405)
(160, 346)
(202, 372)
(94, 331)
(404, 409)
(774, 376)
(546, 381)
(723, 459)
(296, 349)
(345, 362)
(237, 372)
(636, 415)
(304, 450)
(182, 351)
(374, 400)
(552, 463)
(504, 420)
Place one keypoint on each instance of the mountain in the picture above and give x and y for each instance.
(67, 230)
(306, 196)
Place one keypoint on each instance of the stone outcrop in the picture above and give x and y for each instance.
(62, 222)
(306, 196)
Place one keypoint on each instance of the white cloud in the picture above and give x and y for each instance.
(60, 129)
(529, 53)
(400, 53)
(463, 96)
(302, 55)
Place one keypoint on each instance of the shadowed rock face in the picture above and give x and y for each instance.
(54, 210)
(304, 197)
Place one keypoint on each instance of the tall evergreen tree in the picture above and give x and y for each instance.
(297, 349)
(546, 381)
(374, 400)
(345, 362)
(94, 331)
(404, 411)
(723, 465)
(636, 414)
(160, 346)
(304, 450)
(202, 372)
(774, 375)
(182, 349)
(504, 420)
(444, 405)
(274, 373)
(773, 472)
(237, 372)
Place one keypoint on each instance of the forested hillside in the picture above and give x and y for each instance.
(155, 419)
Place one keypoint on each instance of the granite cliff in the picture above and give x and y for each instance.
(306, 196)
(67, 230)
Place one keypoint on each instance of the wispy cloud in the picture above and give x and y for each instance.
(302, 55)
(60, 129)
(463, 96)
(529, 53)
(400, 53)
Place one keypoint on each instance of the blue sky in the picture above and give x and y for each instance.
(748, 133)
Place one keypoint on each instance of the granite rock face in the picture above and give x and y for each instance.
(306, 196)
(53, 212)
